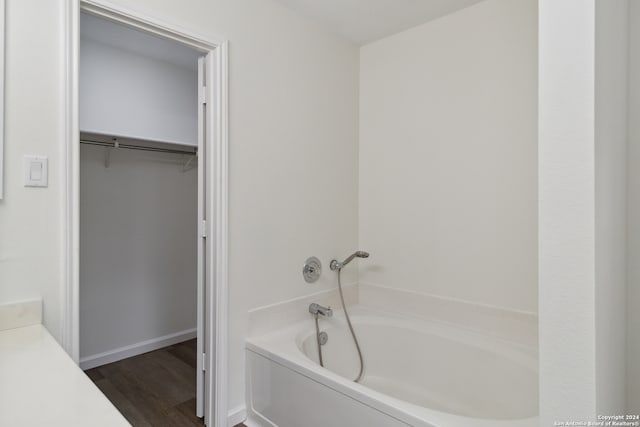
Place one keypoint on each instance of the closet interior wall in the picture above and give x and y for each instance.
(138, 235)
(138, 209)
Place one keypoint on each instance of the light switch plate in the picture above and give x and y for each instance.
(36, 171)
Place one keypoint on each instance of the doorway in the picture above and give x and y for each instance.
(123, 171)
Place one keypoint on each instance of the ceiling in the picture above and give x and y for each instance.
(123, 37)
(364, 21)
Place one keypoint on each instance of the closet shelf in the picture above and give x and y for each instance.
(136, 144)
(137, 147)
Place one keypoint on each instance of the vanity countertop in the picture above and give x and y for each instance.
(41, 386)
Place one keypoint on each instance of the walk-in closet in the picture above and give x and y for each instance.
(141, 208)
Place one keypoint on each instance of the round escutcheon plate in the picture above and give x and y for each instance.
(312, 269)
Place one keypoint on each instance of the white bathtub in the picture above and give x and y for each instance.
(417, 372)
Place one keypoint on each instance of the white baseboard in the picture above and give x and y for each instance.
(236, 416)
(135, 349)
(252, 423)
(257, 420)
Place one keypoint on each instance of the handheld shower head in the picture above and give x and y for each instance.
(336, 265)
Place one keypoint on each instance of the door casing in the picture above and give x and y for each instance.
(215, 182)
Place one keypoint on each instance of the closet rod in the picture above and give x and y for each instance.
(137, 147)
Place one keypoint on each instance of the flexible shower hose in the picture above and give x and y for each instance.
(353, 333)
(318, 341)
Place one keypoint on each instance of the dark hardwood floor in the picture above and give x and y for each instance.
(153, 389)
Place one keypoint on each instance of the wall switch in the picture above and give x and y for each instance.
(36, 171)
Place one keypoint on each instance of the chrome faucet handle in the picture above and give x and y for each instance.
(312, 269)
(317, 309)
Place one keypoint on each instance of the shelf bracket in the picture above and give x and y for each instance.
(107, 153)
(187, 166)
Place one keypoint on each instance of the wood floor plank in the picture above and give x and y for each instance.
(94, 374)
(154, 389)
(188, 408)
(185, 351)
(177, 369)
(148, 372)
(126, 408)
(143, 398)
(187, 411)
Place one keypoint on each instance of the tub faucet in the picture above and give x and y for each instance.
(316, 309)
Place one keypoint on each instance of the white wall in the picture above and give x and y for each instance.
(284, 204)
(293, 152)
(31, 219)
(582, 208)
(633, 214)
(583, 110)
(123, 93)
(138, 246)
(448, 191)
(611, 89)
(567, 217)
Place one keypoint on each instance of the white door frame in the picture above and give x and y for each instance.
(216, 185)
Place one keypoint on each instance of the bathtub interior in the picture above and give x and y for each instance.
(457, 373)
